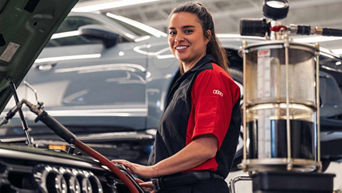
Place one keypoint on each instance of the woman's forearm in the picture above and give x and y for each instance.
(192, 155)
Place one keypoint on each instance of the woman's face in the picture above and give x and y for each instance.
(186, 39)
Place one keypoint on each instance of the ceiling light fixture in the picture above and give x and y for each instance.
(316, 39)
(91, 7)
(139, 25)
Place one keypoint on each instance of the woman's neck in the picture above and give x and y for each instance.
(188, 65)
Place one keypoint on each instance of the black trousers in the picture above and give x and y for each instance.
(213, 185)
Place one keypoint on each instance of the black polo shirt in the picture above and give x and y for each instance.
(204, 100)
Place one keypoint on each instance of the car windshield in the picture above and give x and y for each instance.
(68, 34)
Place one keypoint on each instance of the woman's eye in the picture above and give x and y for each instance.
(188, 31)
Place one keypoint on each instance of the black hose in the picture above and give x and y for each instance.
(331, 32)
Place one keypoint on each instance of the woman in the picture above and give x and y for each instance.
(196, 141)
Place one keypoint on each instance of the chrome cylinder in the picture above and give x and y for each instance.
(281, 106)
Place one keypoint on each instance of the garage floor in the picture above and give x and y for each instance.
(246, 186)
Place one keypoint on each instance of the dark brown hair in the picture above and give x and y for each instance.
(213, 47)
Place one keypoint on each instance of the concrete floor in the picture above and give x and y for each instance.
(246, 186)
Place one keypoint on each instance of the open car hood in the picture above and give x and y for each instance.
(25, 28)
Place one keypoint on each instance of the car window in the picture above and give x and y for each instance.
(72, 23)
(67, 34)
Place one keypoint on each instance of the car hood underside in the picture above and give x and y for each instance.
(26, 26)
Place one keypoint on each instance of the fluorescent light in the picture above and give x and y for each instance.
(228, 35)
(73, 57)
(238, 36)
(314, 39)
(337, 51)
(65, 34)
(110, 5)
(101, 112)
(101, 68)
(139, 25)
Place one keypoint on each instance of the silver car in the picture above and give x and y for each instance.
(106, 78)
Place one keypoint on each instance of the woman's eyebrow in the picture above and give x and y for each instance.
(188, 26)
(183, 27)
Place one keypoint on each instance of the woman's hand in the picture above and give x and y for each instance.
(147, 186)
(140, 170)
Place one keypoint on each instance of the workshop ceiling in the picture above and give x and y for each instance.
(227, 13)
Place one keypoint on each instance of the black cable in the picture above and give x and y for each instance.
(331, 32)
(21, 114)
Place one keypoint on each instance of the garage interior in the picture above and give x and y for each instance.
(135, 70)
(227, 15)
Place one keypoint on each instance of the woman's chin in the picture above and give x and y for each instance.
(182, 58)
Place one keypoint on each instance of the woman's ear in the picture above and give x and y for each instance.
(208, 35)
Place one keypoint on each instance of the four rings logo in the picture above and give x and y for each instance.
(218, 92)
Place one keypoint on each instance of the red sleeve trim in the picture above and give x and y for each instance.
(213, 97)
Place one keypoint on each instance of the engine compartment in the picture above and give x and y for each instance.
(32, 170)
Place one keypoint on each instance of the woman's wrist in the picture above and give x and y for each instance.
(154, 171)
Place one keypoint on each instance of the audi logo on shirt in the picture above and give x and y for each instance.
(218, 92)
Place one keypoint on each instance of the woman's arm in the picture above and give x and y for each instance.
(196, 152)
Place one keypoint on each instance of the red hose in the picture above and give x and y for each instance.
(277, 28)
(103, 160)
(68, 136)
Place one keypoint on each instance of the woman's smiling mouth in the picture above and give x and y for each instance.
(181, 48)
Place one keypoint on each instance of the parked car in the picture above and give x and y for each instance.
(28, 26)
(99, 76)
(106, 77)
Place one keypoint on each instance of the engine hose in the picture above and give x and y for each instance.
(105, 161)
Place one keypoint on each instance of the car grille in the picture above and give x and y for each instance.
(27, 172)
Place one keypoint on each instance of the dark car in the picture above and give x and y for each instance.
(100, 76)
(106, 77)
(26, 27)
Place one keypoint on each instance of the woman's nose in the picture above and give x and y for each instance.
(179, 38)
